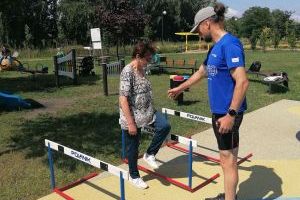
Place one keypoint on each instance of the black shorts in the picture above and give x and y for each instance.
(228, 140)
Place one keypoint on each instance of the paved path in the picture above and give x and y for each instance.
(270, 133)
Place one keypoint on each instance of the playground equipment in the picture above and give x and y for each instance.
(172, 142)
(186, 34)
(66, 66)
(9, 101)
(11, 63)
(86, 159)
(86, 65)
(270, 78)
(111, 70)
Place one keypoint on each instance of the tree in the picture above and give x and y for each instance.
(13, 21)
(291, 34)
(75, 20)
(148, 33)
(279, 18)
(232, 25)
(253, 39)
(292, 39)
(252, 23)
(264, 37)
(1, 29)
(122, 20)
(28, 37)
(180, 15)
(275, 38)
(297, 29)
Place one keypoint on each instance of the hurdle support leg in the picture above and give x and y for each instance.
(122, 189)
(123, 174)
(210, 158)
(190, 164)
(52, 178)
(188, 186)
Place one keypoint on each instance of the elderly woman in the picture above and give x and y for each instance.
(136, 111)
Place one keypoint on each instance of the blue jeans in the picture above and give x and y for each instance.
(162, 129)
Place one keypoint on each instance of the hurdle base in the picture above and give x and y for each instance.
(175, 182)
(216, 160)
(60, 191)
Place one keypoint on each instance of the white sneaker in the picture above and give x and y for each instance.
(150, 159)
(138, 182)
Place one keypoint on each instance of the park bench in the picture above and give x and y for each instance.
(183, 64)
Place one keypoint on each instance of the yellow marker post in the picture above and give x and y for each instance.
(186, 34)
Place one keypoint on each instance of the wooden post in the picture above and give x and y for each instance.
(104, 71)
(122, 64)
(74, 68)
(56, 70)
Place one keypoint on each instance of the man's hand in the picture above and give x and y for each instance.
(132, 130)
(173, 93)
(225, 124)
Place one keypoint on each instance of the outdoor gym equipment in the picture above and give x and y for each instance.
(66, 66)
(269, 78)
(110, 70)
(186, 34)
(123, 174)
(13, 64)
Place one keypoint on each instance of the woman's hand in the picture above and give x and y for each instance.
(132, 130)
(173, 93)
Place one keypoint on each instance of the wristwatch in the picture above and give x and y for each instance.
(232, 112)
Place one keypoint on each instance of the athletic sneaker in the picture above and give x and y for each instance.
(138, 182)
(220, 196)
(150, 159)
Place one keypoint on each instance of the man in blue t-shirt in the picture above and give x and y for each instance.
(227, 86)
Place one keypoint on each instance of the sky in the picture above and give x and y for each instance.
(237, 7)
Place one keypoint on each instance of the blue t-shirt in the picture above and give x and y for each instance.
(226, 54)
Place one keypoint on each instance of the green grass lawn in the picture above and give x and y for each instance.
(82, 118)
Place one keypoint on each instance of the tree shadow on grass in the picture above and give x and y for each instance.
(40, 82)
(95, 134)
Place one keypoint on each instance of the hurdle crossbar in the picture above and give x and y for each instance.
(121, 173)
(197, 118)
(173, 137)
(190, 116)
(178, 139)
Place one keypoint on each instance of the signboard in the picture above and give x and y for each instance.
(97, 45)
(96, 38)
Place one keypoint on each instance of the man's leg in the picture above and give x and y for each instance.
(228, 147)
(229, 166)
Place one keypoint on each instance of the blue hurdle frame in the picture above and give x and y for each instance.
(52, 175)
(177, 183)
